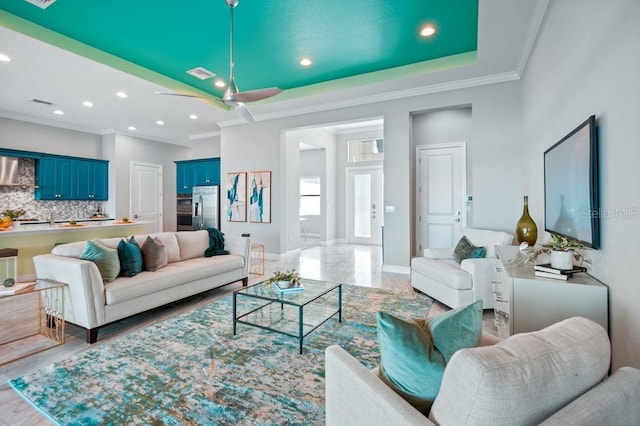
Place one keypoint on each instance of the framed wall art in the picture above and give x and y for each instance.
(260, 197)
(237, 197)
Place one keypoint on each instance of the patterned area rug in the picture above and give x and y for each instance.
(192, 370)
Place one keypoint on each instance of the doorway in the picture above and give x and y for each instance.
(146, 194)
(365, 217)
(441, 176)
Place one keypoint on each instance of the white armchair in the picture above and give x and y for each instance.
(440, 276)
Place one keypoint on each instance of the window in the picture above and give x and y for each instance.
(366, 150)
(310, 196)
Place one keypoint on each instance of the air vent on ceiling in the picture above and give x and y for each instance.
(42, 4)
(40, 101)
(201, 73)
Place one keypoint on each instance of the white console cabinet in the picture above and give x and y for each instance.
(526, 302)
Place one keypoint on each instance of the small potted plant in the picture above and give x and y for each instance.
(8, 216)
(562, 251)
(285, 279)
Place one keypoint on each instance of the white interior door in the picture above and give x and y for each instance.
(146, 194)
(441, 186)
(365, 215)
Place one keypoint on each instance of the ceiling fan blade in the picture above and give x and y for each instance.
(184, 95)
(256, 95)
(243, 112)
(210, 99)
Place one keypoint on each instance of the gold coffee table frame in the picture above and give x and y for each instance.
(32, 321)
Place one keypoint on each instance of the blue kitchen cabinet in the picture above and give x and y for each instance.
(55, 178)
(192, 173)
(184, 177)
(207, 172)
(69, 178)
(92, 178)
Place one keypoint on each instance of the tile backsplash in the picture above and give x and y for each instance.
(17, 197)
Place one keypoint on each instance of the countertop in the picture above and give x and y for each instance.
(64, 226)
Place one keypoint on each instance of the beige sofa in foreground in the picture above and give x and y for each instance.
(555, 376)
(91, 303)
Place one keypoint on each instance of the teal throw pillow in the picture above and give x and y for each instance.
(466, 250)
(105, 258)
(130, 257)
(414, 353)
(456, 329)
(154, 255)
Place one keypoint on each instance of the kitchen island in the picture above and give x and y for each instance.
(33, 239)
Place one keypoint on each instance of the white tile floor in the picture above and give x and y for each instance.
(349, 264)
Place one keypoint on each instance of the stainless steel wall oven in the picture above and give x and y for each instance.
(184, 203)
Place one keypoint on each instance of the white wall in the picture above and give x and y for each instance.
(121, 150)
(26, 136)
(205, 148)
(496, 176)
(586, 62)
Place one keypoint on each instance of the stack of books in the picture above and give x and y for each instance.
(547, 271)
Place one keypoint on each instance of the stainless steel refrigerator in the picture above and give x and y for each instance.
(206, 207)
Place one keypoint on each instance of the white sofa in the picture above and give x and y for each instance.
(91, 303)
(440, 276)
(555, 376)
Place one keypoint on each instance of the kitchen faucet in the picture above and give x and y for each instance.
(52, 220)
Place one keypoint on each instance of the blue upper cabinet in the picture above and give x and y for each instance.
(184, 177)
(196, 173)
(68, 178)
(207, 172)
(92, 180)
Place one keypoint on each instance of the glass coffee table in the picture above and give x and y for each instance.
(294, 314)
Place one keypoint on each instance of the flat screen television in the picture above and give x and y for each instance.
(571, 204)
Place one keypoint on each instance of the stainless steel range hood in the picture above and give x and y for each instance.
(9, 171)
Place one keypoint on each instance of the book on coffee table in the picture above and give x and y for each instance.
(546, 267)
(285, 290)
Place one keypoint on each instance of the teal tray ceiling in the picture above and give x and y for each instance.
(349, 42)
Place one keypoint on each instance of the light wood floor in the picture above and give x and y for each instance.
(351, 264)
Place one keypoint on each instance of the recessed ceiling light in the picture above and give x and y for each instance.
(121, 95)
(427, 31)
(132, 128)
(305, 62)
(220, 83)
(4, 58)
(88, 104)
(160, 123)
(193, 117)
(58, 112)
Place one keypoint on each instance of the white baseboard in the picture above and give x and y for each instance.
(396, 269)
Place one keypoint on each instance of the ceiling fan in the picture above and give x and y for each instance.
(233, 97)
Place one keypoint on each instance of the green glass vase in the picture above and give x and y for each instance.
(526, 229)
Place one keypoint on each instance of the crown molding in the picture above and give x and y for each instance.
(49, 123)
(383, 97)
(204, 135)
(539, 17)
(112, 131)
